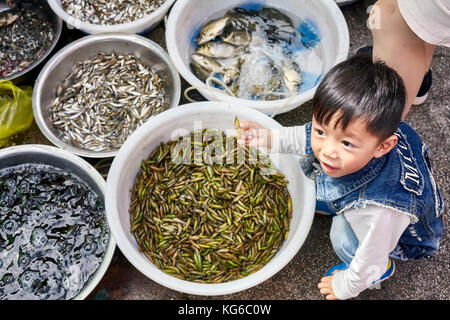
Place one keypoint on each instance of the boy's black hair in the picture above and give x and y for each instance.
(361, 89)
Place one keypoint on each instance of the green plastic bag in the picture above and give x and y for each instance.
(16, 113)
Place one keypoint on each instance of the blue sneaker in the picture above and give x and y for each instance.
(342, 266)
(322, 209)
(389, 272)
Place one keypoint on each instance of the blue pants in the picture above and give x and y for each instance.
(345, 242)
(343, 239)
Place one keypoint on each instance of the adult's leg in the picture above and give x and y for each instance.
(399, 47)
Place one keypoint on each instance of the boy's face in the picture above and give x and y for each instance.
(342, 152)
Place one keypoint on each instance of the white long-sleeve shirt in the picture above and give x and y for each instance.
(377, 229)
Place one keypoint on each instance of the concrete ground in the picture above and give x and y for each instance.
(422, 279)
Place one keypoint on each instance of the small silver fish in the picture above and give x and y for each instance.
(105, 99)
(219, 50)
(212, 29)
(110, 12)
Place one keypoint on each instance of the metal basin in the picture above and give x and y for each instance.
(57, 28)
(40, 154)
(60, 65)
(140, 26)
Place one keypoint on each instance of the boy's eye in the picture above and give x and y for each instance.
(319, 132)
(347, 144)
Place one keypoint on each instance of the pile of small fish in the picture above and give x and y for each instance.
(25, 35)
(104, 99)
(249, 51)
(209, 221)
(110, 12)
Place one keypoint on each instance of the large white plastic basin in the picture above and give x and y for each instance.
(187, 16)
(140, 144)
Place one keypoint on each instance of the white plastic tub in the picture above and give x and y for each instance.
(161, 128)
(187, 16)
(139, 26)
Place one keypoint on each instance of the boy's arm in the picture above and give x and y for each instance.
(378, 231)
(291, 140)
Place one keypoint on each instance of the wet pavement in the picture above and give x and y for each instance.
(422, 279)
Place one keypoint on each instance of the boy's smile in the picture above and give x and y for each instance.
(342, 152)
(328, 169)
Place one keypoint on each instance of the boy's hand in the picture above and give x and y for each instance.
(325, 287)
(254, 135)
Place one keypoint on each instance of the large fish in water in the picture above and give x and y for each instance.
(200, 72)
(259, 77)
(219, 50)
(207, 63)
(212, 29)
(232, 74)
(292, 76)
(238, 37)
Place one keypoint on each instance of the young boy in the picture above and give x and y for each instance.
(371, 172)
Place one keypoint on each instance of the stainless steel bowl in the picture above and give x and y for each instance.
(60, 65)
(57, 22)
(140, 26)
(41, 154)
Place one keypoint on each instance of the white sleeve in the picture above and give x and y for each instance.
(378, 231)
(290, 140)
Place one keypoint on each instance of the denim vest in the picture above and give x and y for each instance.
(401, 180)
